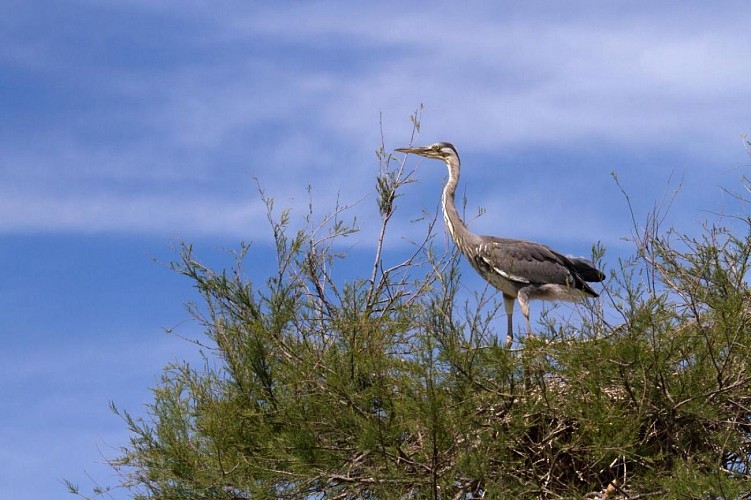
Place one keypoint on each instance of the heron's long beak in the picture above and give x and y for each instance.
(417, 151)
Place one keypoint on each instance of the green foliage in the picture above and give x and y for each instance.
(391, 386)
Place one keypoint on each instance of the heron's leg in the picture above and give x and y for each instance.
(508, 304)
(523, 297)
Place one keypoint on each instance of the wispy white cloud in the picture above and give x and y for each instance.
(292, 94)
(185, 216)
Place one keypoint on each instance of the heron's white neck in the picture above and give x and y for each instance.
(456, 227)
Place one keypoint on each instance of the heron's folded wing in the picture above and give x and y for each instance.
(529, 262)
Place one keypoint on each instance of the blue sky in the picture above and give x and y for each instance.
(126, 126)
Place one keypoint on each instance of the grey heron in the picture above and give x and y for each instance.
(521, 270)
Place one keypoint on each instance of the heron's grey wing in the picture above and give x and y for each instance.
(527, 262)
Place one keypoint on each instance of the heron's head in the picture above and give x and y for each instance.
(440, 150)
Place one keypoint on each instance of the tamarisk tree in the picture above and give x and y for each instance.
(393, 385)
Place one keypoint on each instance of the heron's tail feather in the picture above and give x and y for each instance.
(586, 269)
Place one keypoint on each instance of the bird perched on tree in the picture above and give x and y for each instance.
(520, 269)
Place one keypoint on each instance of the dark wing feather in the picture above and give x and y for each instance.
(528, 262)
(586, 269)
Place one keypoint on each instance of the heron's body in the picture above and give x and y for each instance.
(521, 270)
